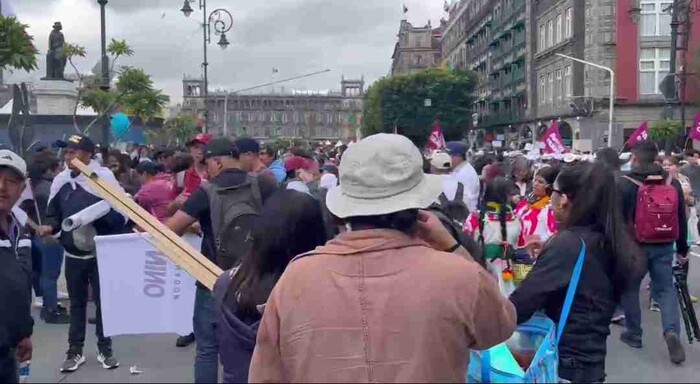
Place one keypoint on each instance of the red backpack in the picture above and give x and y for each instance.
(656, 215)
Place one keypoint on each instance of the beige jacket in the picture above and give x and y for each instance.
(378, 306)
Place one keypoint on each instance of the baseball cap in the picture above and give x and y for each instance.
(203, 138)
(220, 146)
(456, 148)
(80, 142)
(382, 174)
(246, 145)
(12, 160)
(441, 161)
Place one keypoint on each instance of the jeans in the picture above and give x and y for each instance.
(80, 275)
(51, 261)
(206, 362)
(36, 268)
(659, 258)
(8, 367)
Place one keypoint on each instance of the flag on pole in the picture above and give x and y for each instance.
(695, 129)
(552, 140)
(436, 141)
(641, 134)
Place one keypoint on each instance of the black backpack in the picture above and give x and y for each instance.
(233, 213)
(456, 209)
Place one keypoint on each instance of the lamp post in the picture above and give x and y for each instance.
(612, 91)
(105, 65)
(222, 22)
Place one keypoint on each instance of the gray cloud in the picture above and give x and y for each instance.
(352, 38)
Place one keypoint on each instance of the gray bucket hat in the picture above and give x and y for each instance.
(382, 174)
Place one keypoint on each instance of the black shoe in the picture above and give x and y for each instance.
(184, 341)
(55, 317)
(92, 320)
(675, 348)
(632, 341)
(61, 308)
(73, 362)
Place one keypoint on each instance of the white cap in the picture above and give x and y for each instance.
(12, 160)
(441, 161)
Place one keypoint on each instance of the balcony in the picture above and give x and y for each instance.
(499, 118)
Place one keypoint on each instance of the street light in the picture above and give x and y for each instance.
(104, 64)
(612, 91)
(221, 21)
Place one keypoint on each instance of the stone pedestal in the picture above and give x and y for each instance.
(55, 97)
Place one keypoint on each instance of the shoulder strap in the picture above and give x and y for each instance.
(571, 291)
(459, 196)
(215, 209)
(255, 188)
(443, 200)
(635, 182)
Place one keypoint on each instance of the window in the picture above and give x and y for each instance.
(543, 91)
(560, 89)
(654, 65)
(655, 20)
(567, 81)
(550, 33)
(550, 90)
(567, 23)
(543, 38)
(557, 28)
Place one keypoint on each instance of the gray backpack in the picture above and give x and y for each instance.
(233, 213)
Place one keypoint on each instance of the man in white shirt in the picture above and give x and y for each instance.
(464, 173)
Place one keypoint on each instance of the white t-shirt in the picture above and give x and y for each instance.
(465, 174)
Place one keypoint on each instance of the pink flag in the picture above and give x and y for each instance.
(436, 141)
(641, 134)
(695, 129)
(553, 142)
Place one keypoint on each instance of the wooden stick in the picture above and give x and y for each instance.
(169, 243)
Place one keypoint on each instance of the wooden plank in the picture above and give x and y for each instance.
(168, 243)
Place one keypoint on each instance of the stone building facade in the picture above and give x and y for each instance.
(417, 48)
(310, 115)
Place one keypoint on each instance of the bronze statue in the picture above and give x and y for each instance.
(55, 60)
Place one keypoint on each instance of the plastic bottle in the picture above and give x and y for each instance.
(23, 370)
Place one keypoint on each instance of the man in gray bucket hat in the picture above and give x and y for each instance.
(395, 299)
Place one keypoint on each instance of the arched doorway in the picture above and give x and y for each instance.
(567, 133)
(480, 138)
(541, 130)
(526, 136)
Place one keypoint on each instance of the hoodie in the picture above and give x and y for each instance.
(628, 193)
(236, 338)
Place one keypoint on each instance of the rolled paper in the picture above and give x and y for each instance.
(86, 216)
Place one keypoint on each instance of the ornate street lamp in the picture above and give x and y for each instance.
(221, 21)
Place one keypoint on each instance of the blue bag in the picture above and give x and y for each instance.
(497, 364)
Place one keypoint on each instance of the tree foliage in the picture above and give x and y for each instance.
(17, 50)
(665, 129)
(178, 129)
(399, 102)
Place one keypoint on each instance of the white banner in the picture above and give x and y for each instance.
(142, 291)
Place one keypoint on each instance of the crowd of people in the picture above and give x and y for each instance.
(368, 262)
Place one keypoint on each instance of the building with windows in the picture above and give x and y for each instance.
(309, 115)
(417, 48)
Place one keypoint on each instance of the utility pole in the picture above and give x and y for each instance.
(105, 67)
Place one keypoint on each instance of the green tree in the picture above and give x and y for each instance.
(665, 129)
(17, 50)
(178, 130)
(399, 102)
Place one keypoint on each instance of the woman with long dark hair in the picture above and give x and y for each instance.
(587, 208)
(535, 212)
(289, 224)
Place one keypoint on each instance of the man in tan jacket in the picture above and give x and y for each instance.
(393, 300)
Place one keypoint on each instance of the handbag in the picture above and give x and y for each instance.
(538, 337)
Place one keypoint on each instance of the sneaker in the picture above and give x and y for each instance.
(61, 309)
(675, 348)
(632, 341)
(184, 341)
(108, 360)
(38, 302)
(73, 362)
(618, 319)
(62, 295)
(654, 306)
(55, 317)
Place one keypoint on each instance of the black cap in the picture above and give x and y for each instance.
(220, 146)
(246, 145)
(80, 142)
(148, 167)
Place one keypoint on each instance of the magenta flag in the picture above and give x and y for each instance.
(695, 129)
(436, 141)
(641, 134)
(552, 140)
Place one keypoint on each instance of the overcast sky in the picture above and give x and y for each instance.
(350, 37)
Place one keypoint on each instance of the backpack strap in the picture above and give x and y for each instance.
(215, 207)
(443, 199)
(459, 196)
(633, 181)
(571, 291)
(255, 188)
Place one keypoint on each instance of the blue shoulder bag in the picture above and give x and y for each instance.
(497, 364)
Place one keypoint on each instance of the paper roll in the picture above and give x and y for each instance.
(86, 216)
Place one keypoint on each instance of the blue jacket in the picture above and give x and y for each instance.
(236, 338)
(277, 169)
